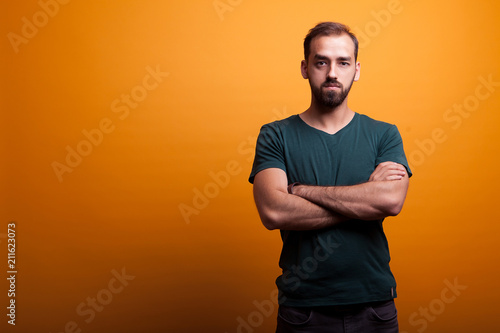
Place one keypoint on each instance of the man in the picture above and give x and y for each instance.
(327, 178)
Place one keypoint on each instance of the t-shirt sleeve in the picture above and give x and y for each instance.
(391, 149)
(269, 151)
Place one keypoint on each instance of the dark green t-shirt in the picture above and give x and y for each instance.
(347, 263)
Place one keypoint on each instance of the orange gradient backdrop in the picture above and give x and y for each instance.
(128, 132)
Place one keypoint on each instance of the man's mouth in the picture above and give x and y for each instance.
(332, 85)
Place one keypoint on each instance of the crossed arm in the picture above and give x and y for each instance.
(316, 207)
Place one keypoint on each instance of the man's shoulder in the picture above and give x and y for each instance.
(284, 122)
(371, 121)
(281, 124)
(373, 124)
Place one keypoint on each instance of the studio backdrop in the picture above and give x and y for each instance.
(128, 133)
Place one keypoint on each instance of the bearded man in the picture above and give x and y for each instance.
(327, 178)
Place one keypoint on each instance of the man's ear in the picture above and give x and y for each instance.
(303, 69)
(358, 71)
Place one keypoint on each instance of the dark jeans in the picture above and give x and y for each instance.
(378, 317)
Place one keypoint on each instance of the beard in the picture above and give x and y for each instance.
(330, 98)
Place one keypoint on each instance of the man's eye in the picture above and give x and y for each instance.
(321, 63)
(344, 63)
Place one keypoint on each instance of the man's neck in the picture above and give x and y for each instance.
(329, 120)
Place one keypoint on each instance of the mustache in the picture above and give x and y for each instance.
(332, 83)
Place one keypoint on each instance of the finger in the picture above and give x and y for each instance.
(394, 177)
(390, 165)
(391, 174)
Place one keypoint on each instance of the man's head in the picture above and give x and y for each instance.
(331, 63)
(329, 29)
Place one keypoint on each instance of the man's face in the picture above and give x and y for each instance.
(331, 69)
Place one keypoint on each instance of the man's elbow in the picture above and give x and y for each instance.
(270, 225)
(393, 206)
(394, 210)
(394, 198)
(271, 220)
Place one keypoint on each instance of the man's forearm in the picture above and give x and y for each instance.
(291, 212)
(279, 209)
(368, 201)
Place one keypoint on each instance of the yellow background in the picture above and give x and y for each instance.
(230, 70)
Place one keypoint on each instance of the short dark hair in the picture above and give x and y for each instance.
(327, 29)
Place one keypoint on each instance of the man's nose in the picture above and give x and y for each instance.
(332, 73)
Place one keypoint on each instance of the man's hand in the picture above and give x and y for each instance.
(388, 171)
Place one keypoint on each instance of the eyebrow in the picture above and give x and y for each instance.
(323, 57)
